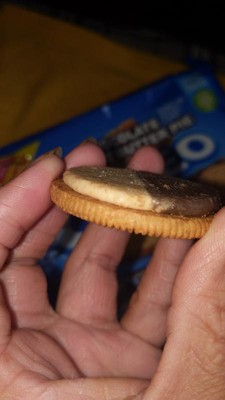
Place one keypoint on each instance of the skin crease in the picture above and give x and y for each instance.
(80, 350)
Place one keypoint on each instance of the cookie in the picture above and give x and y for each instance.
(137, 201)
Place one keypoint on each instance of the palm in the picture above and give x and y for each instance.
(47, 346)
(55, 346)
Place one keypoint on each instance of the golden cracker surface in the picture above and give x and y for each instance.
(136, 221)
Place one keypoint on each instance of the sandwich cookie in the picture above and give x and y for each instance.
(137, 201)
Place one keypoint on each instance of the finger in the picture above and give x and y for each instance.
(146, 315)
(97, 389)
(24, 200)
(200, 284)
(5, 322)
(36, 242)
(88, 290)
(196, 326)
(26, 287)
(147, 159)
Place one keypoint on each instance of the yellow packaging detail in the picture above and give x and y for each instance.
(13, 164)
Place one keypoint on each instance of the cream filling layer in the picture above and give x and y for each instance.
(128, 197)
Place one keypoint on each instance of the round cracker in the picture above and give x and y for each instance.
(131, 220)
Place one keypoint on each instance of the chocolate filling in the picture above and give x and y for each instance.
(183, 197)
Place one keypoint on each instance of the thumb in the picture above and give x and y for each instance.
(193, 361)
(24, 200)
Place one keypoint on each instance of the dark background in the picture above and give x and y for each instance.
(180, 30)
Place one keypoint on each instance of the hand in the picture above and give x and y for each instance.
(80, 350)
(49, 352)
(193, 361)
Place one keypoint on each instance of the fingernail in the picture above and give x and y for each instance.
(57, 151)
(88, 140)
